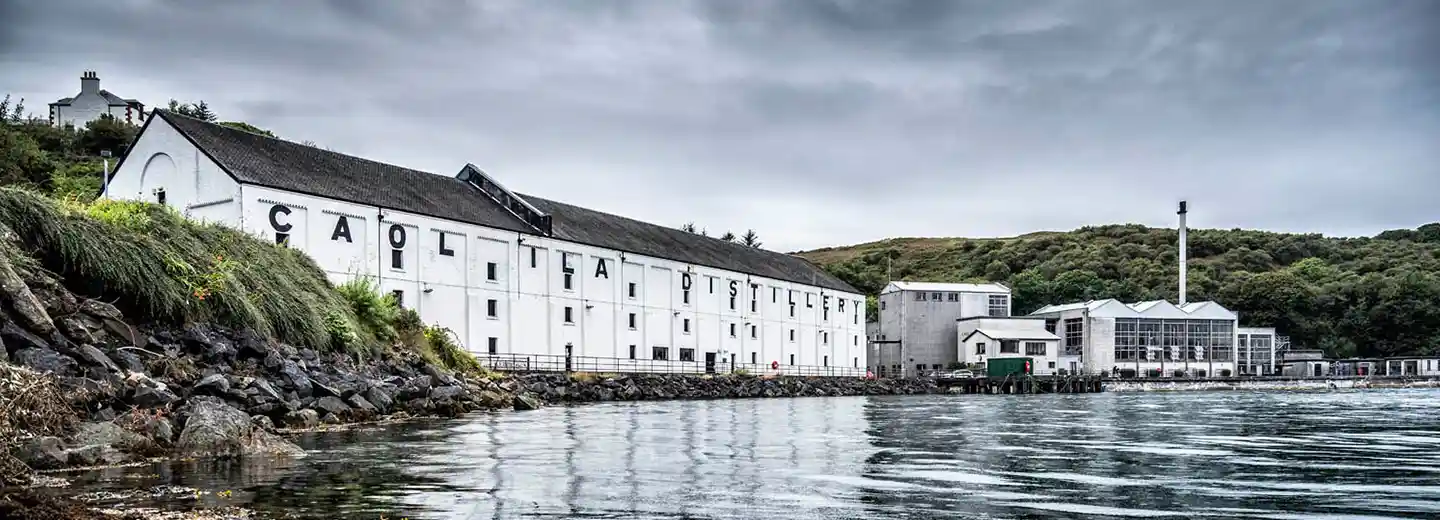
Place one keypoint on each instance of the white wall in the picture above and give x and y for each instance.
(193, 184)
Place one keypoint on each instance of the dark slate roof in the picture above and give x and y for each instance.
(588, 226)
(275, 163)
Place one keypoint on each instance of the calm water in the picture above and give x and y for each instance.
(1366, 454)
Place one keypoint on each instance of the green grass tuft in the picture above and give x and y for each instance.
(161, 266)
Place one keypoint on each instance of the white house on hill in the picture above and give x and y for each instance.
(519, 278)
(91, 103)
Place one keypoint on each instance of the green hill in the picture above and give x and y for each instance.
(1350, 296)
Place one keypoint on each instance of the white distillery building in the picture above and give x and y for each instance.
(917, 326)
(1110, 336)
(91, 103)
(984, 338)
(520, 279)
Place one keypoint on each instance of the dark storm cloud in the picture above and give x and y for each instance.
(818, 122)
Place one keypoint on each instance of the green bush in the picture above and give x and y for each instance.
(160, 266)
(374, 312)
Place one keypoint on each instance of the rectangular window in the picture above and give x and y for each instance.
(660, 353)
(687, 325)
(999, 305)
(1034, 348)
(1009, 346)
(569, 281)
(569, 315)
(492, 308)
(632, 289)
(399, 298)
(687, 354)
(492, 271)
(732, 330)
(632, 321)
(534, 258)
(632, 351)
(397, 259)
(980, 348)
(494, 345)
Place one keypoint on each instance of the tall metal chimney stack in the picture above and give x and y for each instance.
(1182, 251)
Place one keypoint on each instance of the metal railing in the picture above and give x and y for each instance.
(609, 365)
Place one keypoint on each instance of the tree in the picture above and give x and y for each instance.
(106, 133)
(750, 238)
(728, 237)
(198, 110)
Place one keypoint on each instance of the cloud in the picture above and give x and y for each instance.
(818, 122)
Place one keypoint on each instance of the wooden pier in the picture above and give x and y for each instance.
(1024, 384)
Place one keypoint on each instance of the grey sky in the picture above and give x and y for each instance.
(816, 122)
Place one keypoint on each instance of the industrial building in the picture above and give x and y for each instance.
(982, 339)
(522, 280)
(1145, 338)
(1255, 351)
(917, 327)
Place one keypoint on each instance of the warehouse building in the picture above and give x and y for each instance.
(917, 326)
(523, 281)
(1145, 338)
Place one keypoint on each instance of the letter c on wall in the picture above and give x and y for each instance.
(275, 212)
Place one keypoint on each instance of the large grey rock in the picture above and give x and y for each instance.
(215, 429)
(379, 397)
(527, 402)
(151, 397)
(46, 360)
(213, 384)
(331, 404)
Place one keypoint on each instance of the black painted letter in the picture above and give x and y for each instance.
(342, 229)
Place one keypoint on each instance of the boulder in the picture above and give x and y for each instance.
(527, 402)
(331, 405)
(380, 398)
(306, 418)
(151, 397)
(130, 361)
(44, 360)
(42, 453)
(213, 384)
(213, 428)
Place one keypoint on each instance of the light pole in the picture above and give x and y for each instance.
(105, 182)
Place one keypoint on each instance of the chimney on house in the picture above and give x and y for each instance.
(89, 82)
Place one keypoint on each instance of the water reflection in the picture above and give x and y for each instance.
(1216, 455)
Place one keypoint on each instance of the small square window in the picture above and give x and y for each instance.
(492, 271)
(492, 308)
(569, 315)
(494, 345)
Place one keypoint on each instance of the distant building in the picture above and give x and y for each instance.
(917, 324)
(1255, 351)
(1304, 363)
(93, 102)
(984, 338)
(1143, 338)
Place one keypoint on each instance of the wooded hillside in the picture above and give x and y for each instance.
(1350, 296)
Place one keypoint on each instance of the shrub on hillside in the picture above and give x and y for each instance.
(161, 266)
